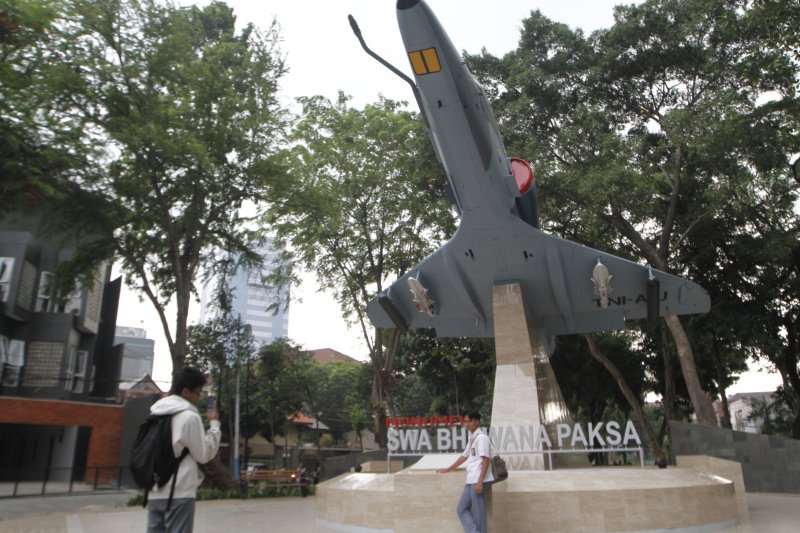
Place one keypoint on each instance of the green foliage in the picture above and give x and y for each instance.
(577, 372)
(256, 490)
(343, 395)
(776, 416)
(657, 140)
(413, 395)
(175, 120)
(774, 52)
(224, 340)
(365, 203)
(359, 421)
(136, 501)
(277, 391)
(223, 346)
(288, 381)
(36, 152)
(455, 374)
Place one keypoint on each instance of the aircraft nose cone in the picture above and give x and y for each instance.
(406, 4)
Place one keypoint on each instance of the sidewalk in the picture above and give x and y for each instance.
(107, 513)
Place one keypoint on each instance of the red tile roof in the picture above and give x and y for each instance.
(301, 419)
(326, 355)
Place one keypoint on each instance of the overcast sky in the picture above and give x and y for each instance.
(324, 57)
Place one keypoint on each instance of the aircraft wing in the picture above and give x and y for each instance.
(556, 277)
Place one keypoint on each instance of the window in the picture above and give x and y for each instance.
(76, 370)
(6, 268)
(12, 359)
(739, 418)
(75, 302)
(45, 303)
(43, 296)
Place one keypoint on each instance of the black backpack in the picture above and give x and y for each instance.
(153, 461)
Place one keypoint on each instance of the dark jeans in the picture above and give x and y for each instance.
(179, 518)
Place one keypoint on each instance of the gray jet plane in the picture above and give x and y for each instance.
(568, 288)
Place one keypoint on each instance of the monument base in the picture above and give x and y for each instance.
(613, 499)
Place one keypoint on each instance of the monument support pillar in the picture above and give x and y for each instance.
(526, 394)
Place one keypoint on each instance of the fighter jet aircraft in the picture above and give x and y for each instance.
(567, 287)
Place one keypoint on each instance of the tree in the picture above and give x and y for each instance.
(186, 110)
(412, 394)
(644, 131)
(457, 374)
(309, 379)
(277, 393)
(584, 380)
(35, 153)
(775, 417)
(290, 381)
(775, 46)
(634, 402)
(344, 395)
(365, 203)
(223, 346)
(359, 421)
(580, 364)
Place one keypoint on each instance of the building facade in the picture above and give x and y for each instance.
(254, 298)
(55, 357)
(49, 349)
(741, 409)
(137, 354)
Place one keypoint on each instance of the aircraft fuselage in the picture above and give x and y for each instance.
(567, 286)
(463, 128)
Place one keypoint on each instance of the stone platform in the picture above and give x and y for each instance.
(613, 499)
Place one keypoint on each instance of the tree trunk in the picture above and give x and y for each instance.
(796, 426)
(657, 256)
(726, 410)
(701, 403)
(378, 405)
(787, 364)
(219, 475)
(179, 348)
(725, 419)
(382, 364)
(668, 400)
(378, 410)
(669, 380)
(722, 382)
(658, 455)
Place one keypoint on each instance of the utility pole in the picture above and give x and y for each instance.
(236, 466)
(247, 413)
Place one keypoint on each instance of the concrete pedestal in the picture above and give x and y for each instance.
(614, 499)
(593, 500)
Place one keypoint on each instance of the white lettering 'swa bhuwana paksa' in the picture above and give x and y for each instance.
(515, 439)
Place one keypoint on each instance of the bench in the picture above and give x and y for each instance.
(274, 478)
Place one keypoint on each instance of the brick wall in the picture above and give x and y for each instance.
(105, 420)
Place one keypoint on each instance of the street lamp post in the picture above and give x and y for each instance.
(236, 466)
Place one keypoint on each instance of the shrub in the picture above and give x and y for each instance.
(259, 490)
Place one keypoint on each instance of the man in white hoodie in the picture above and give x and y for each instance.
(187, 432)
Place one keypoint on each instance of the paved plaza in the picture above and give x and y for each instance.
(108, 513)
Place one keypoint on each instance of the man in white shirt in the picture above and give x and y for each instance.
(471, 506)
